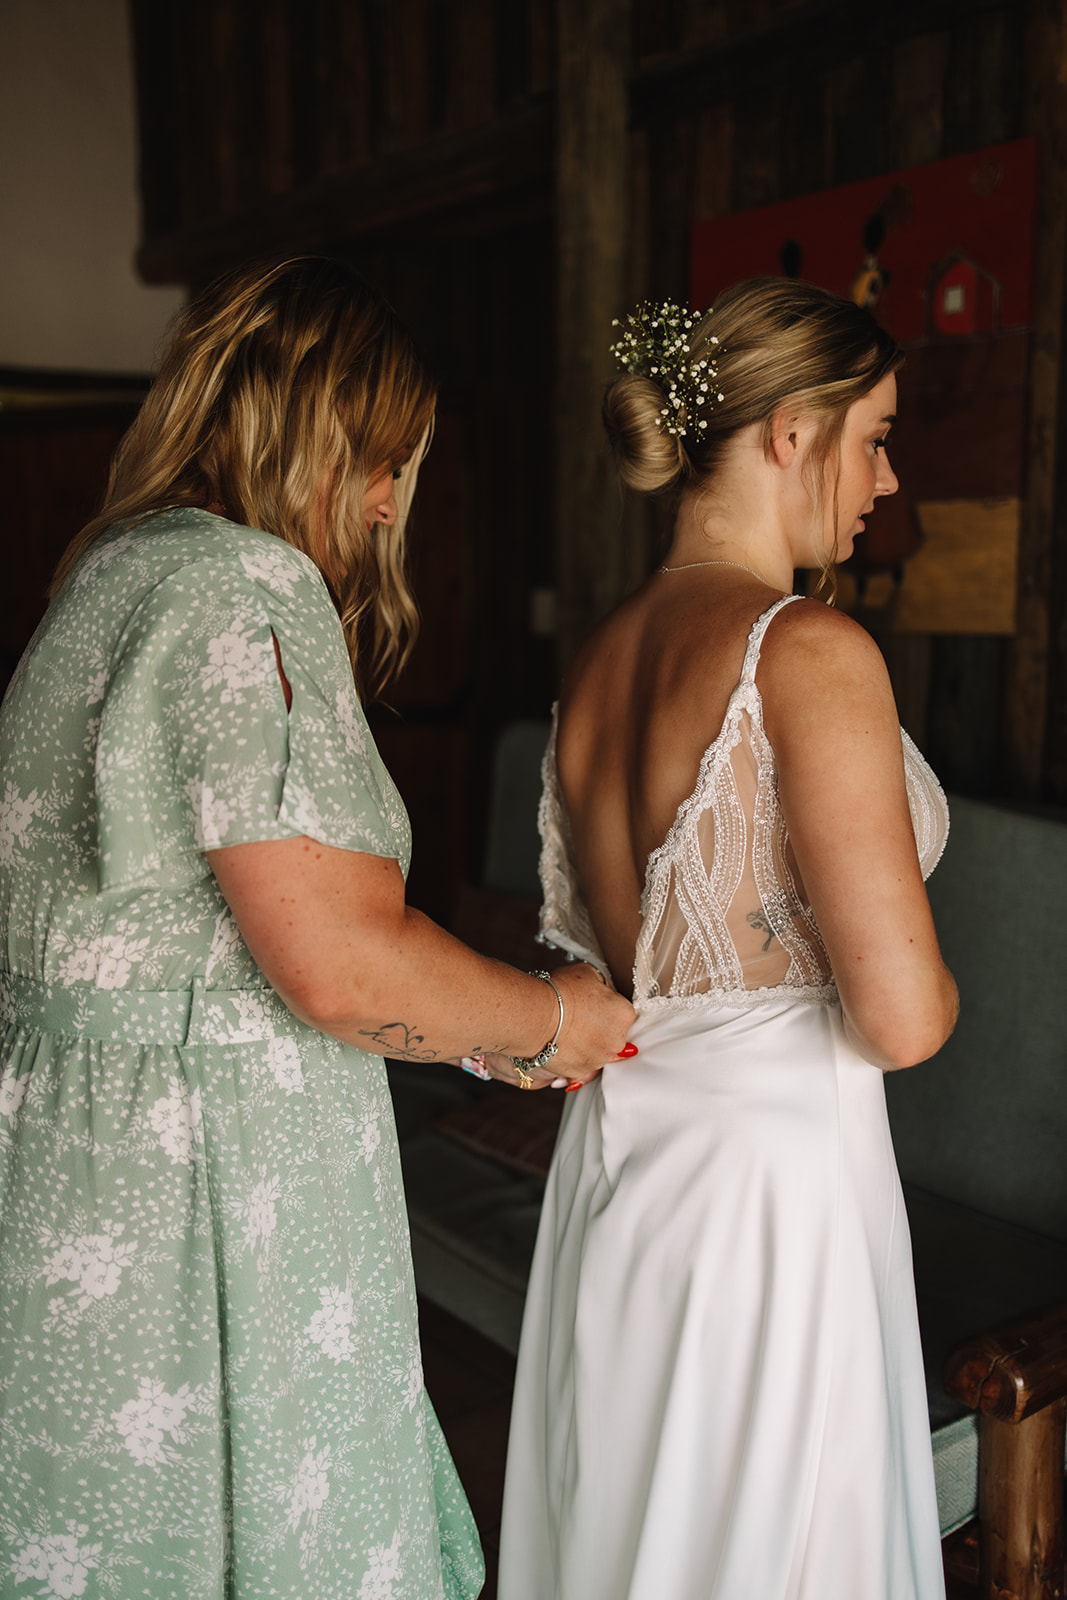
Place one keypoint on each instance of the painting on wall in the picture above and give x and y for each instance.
(943, 256)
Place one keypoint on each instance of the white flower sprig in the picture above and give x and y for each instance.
(655, 344)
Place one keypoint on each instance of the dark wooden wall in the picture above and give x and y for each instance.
(57, 436)
(294, 124)
(417, 137)
(725, 122)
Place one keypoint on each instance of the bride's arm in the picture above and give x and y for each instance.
(832, 722)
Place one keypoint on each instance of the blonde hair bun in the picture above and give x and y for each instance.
(648, 458)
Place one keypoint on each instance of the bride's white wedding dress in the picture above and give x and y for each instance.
(720, 1389)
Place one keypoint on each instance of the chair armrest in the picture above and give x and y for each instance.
(1015, 1370)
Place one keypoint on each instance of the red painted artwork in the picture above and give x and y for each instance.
(943, 256)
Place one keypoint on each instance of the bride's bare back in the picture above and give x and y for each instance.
(646, 699)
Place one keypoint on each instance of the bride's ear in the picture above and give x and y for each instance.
(786, 435)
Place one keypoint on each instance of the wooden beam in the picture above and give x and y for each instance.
(591, 190)
(426, 185)
(1026, 697)
(817, 37)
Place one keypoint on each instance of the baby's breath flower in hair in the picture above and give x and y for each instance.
(654, 344)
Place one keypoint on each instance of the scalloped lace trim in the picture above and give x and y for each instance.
(821, 994)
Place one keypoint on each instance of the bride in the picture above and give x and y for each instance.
(720, 1390)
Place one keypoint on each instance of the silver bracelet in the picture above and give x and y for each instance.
(526, 1064)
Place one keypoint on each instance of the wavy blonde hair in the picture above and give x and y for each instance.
(779, 341)
(283, 391)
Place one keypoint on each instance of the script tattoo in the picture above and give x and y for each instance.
(400, 1041)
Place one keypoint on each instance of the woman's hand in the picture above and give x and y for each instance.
(563, 1070)
(590, 1008)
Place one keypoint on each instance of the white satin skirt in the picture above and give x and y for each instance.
(720, 1389)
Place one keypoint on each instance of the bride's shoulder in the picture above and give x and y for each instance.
(813, 658)
(810, 633)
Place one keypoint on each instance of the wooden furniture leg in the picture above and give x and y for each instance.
(1016, 1377)
(1020, 1505)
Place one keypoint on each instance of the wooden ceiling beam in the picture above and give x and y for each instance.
(815, 38)
(439, 185)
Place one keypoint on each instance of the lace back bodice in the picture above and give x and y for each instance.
(725, 918)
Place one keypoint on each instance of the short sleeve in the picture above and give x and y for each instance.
(196, 750)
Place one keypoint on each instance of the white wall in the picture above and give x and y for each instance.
(69, 208)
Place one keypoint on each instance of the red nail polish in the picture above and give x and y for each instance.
(626, 1052)
(571, 1088)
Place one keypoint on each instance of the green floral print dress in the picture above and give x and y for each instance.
(210, 1383)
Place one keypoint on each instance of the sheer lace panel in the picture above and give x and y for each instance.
(565, 922)
(725, 916)
(724, 910)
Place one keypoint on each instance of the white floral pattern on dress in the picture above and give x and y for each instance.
(213, 815)
(235, 661)
(59, 1561)
(102, 555)
(346, 706)
(224, 1357)
(12, 1094)
(106, 961)
(272, 568)
(304, 810)
(17, 813)
(94, 1261)
(143, 1422)
(261, 1213)
(368, 1139)
(382, 1572)
(310, 1487)
(332, 1327)
(226, 944)
(284, 1058)
(175, 1120)
(94, 688)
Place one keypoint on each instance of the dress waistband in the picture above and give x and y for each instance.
(192, 1016)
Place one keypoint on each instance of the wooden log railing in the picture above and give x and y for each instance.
(1015, 1377)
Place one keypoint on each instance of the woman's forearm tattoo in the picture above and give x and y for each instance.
(400, 1041)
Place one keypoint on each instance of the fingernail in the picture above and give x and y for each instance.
(626, 1052)
(572, 1086)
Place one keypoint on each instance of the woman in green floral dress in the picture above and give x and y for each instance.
(210, 1381)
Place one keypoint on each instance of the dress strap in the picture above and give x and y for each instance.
(755, 638)
(146, 1017)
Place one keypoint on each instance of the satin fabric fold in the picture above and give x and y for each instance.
(720, 1391)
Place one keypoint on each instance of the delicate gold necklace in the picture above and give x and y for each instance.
(684, 566)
